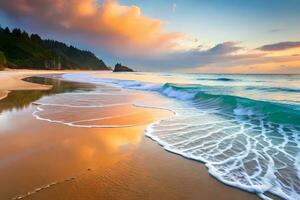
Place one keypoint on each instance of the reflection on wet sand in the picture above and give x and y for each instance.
(19, 100)
(32, 147)
(42, 160)
(59, 151)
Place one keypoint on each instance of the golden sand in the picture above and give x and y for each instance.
(43, 160)
(11, 80)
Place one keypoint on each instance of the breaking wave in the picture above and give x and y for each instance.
(249, 144)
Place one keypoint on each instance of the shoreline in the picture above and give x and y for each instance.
(13, 79)
(124, 154)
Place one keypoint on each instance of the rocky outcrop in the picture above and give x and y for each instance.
(120, 68)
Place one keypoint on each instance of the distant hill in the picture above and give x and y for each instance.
(22, 50)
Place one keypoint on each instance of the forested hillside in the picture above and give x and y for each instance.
(21, 50)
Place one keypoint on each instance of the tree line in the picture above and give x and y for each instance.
(20, 50)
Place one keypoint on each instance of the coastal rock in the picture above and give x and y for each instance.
(120, 68)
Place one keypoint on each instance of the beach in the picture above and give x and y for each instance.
(162, 100)
(11, 80)
(72, 144)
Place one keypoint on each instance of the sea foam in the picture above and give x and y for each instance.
(245, 143)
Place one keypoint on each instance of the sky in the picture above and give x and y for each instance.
(205, 36)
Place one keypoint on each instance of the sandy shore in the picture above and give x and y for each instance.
(42, 160)
(11, 80)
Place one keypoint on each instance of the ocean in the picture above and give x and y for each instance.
(244, 128)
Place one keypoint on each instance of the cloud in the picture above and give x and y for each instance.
(221, 55)
(225, 48)
(109, 26)
(276, 30)
(226, 57)
(280, 46)
(140, 41)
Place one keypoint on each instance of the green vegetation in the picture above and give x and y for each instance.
(31, 52)
(2, 60)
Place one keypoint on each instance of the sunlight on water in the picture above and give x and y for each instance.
(245, 128)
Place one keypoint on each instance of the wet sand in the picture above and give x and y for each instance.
(11, 80)
(43, 160)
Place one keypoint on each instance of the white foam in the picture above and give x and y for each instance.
(241, 149)
(181, 95)
(75, 123)
(47, 186)
(229, 168)
(80, 106)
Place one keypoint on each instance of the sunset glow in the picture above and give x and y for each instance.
(136, 34)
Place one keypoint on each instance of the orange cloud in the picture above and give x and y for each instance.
(142, 41)
(286, 64)
(110, 26)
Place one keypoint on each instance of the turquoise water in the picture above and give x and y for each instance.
(245, 128)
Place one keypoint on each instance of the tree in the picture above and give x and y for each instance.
(25, 35)
(6, 30)
(17, 32)
(23, 51)
(36, 38)
(2, 60)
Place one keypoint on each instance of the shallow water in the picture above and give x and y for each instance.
(18, 100)
(42, 150)
(245, 128)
